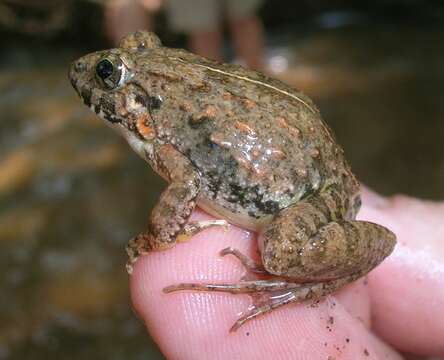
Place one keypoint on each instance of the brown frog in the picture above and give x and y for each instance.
(248, 149)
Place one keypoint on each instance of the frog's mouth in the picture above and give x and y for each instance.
(84, 93)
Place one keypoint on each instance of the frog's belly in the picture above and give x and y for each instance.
(240, 219)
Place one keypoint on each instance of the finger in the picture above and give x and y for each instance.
(407, 289)
(372, 199)
(191, 325)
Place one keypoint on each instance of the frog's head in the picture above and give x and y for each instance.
(106, 82)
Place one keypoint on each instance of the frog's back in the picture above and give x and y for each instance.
(259, 144)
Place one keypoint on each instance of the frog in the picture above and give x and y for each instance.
(249, 150)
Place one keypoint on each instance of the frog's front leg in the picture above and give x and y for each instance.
(310, 251)
(168, 220)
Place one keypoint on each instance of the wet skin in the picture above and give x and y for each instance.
(247, 149)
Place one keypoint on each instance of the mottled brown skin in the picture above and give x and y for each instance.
(246, 148)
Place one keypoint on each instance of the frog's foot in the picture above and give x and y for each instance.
(138, 246)
(267, 295)
(143, 243)
(248, 263)
(194, 227)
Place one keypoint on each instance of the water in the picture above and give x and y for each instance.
(72, 192)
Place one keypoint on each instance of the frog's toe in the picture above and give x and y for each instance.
(137, 247)
(260, 308)
(194, 227)
(248, 263)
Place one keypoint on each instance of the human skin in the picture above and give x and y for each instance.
(247, 34)
(248, 40)
(125, 16)
(401, 303)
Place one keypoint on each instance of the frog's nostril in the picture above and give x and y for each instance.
(79, 66)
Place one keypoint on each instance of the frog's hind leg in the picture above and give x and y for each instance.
(267, 295)
(297, 245)
(291, 292)
(309, 250)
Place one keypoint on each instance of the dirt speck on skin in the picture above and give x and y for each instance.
(248, 334)
(347, 340)
(314, 304)
(330, 322)
(366, 353)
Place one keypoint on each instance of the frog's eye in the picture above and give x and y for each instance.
(111, 73)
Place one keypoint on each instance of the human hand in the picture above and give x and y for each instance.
(402, 303)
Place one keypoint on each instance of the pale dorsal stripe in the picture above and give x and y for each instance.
(252, 81)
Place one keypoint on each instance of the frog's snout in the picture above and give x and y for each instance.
(78, 75)
(78, 66)
(76, 69)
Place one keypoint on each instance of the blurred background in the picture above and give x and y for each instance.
(72, 192)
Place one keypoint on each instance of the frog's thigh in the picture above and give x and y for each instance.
(306, 249)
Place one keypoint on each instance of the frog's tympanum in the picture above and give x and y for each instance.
(251, 151)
